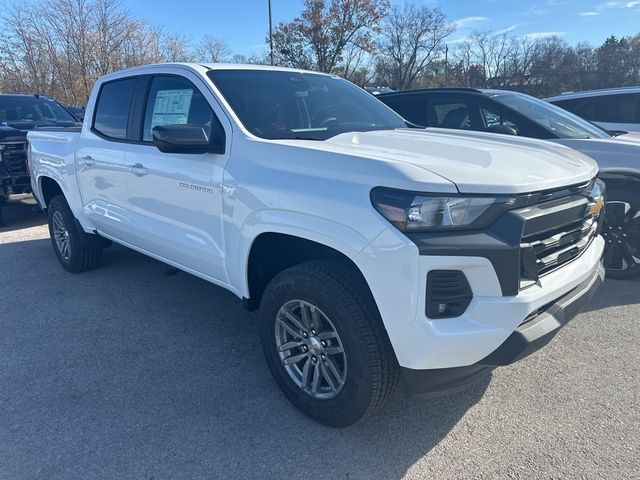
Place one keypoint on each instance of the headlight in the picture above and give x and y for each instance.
(412, 212)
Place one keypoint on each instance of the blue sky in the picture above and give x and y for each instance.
(243, 23)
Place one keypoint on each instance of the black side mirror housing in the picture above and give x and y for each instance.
(186, 139)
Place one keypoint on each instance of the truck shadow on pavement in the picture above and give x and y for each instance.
(615, 293)
(133, 371)
(21, 215)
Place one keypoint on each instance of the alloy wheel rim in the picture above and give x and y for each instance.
(310, 349)
(621, 231)
(61, 236)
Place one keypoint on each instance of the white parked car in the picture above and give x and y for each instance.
(372, 250)
(616, 109)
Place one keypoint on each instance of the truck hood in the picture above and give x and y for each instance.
(17, 130)
(9, 133)
(474, 162)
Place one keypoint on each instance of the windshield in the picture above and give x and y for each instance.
(38, 110)
(292, 105)
(564, 124)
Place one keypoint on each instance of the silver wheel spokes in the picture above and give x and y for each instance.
(61, 236)
(310, 349)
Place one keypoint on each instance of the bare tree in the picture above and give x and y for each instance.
(211, 49)
(175, 48)
(60, 47)
(412, 38)
(357, 65)
(253, 58)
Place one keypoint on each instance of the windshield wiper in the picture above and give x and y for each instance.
(296, 138)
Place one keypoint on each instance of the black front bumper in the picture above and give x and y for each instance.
(13, 184)
(534, 333)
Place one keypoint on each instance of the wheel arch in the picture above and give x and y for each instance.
(48, 187)
(273, 252)
(620, 177)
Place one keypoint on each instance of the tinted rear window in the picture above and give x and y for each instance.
(622, 108)
(112, 109)
(583, 107)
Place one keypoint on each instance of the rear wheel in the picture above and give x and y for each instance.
(76, 250)
(621, 231)
(325, 344)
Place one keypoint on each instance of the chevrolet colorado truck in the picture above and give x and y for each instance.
(18, 115)
(374, 252)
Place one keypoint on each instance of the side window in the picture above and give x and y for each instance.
(621, 108)
(492, 118)
(583, 107)
(112, 109)
(403, 107)
(451, 115)
(175, 100)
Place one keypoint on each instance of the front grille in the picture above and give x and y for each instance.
(14, 156)
(553, 246)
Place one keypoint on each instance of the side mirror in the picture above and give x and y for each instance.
(503, 129)
(186, 139)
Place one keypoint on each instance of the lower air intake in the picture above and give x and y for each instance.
(448, 294)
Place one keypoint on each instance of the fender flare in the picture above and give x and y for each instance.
(616, 175)
(53, 174)
(329, 233)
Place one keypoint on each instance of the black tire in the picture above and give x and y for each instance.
(84, 251)
(341, 294)
(621, 231)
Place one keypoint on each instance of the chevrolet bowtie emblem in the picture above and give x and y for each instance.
(596, 206)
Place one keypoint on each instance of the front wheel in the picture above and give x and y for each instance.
(325, 344)
(621, 231)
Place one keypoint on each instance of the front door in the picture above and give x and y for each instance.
(176, 199)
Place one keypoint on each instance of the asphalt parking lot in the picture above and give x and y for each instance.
(138, 371)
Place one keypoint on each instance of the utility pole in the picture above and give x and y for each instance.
(446, 65)
(270, 34)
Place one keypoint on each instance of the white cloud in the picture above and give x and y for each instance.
(611, 5)
(467, 22)
(506, 30)
(455, 41)
(535, 10)
(536, 35)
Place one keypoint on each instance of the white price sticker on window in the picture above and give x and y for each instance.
(171, 107)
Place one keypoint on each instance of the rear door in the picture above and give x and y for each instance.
(176, 199)
(100, 160)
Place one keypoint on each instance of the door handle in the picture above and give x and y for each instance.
(138, 169)
(88, 160)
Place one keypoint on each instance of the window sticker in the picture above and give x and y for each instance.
(171, 107)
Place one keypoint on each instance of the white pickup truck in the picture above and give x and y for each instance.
(374, 251)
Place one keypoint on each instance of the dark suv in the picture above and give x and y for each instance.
(18, 115)
(512, 113)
